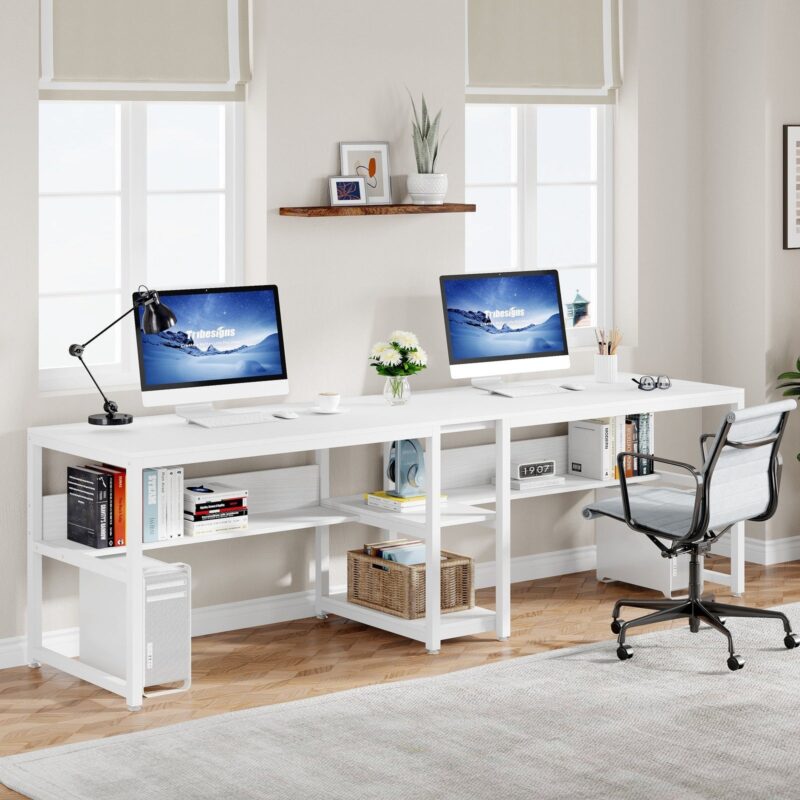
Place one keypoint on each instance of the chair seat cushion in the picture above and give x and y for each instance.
(665, 509)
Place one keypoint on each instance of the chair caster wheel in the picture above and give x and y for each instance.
(616, 625)
(624, 652)
(694, 625)
(791, 641)
(735, 662)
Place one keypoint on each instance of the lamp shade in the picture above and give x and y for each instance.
(157, 317)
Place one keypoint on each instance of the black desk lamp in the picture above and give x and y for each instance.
(156, 318)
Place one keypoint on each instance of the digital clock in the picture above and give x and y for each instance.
(524, 470)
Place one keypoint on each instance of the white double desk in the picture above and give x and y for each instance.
(299, 498)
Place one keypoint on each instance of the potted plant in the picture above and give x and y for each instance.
(398, 358)
(791, 387)
(427, 187)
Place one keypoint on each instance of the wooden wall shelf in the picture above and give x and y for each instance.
(376, 210)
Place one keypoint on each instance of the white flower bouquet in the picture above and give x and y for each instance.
(398, 357)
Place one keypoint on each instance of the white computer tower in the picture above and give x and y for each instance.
(167, 622)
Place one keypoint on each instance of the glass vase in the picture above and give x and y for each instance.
(397, 390)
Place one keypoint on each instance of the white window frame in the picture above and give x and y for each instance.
(527, 184)
(133, 194)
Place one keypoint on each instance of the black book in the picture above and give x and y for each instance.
(88, 509)
(222, 513)
(221, 505)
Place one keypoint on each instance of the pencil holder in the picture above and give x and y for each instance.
(605, 368)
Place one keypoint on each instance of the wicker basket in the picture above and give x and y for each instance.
(399, 589)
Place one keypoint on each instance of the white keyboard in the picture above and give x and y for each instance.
(525, 389)
(227, 419)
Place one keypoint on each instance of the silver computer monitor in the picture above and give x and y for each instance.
(227, 343)
(504, 323)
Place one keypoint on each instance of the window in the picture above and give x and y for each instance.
(540, 176)
(130, 193)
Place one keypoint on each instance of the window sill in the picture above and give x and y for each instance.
(46, 392)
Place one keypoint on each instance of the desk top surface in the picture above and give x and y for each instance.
(163, 439)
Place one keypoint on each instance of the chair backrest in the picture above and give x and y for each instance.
(741, 470)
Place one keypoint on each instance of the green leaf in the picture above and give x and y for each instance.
(797, 364)
(789, 385)
(426, 121)
(786, 376)
(794, 392)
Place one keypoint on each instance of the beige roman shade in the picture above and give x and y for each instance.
(144, 49)
(539, 51)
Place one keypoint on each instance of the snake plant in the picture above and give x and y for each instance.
(425, 135)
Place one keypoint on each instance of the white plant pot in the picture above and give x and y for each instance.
(427, 189)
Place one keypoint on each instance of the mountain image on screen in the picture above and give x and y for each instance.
(524, 319)
(230, 336)
(172, 357)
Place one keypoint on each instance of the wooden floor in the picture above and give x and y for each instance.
(279, 663)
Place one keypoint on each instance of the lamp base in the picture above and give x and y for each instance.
(110, 419)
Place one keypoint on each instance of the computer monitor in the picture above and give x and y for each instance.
(227, 343)
(504, 323)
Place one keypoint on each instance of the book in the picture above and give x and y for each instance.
(88, 492)
(219, 505)
(389, 502)
(174, 502)
(589, 446)
(161, 472)
(214, 526)
(120, 513)
(149, 505)
(536, 483)
(211, 492)
(376, 547)
(222, 514)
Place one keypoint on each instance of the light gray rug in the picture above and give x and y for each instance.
(671, 723)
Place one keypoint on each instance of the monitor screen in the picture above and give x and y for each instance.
(221, 336)
(502, 316)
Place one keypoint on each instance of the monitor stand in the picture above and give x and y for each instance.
(196, 411)
(496, 385)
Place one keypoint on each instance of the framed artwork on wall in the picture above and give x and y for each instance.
(370, 161)
(347, 190)
(791, 187)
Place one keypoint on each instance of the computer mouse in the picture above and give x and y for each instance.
(573, 387)
(284, 414)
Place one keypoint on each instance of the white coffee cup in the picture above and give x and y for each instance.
(328, 401)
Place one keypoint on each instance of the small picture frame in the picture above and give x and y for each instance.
(348, 190)
(370, 161)
(791, 187)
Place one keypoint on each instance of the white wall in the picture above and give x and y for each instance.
(346, 282)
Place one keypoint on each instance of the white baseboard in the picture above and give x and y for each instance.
(299, 605)
(542, 565)
(12, 649)
(763, 551)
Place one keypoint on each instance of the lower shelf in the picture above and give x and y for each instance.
(459, 623)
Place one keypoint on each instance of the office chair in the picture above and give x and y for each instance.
(739, 481)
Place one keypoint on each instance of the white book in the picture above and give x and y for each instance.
(214, 526)
(175, 526)
(537, 483)
(162, 503)
(200, 491)
(589, 446)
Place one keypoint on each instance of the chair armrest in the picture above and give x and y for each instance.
(704, 437)
(626, 504)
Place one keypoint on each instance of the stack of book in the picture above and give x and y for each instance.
(401, 551)
(212, 508)
(595, 444)
(162, 493)
(389, 502)
(96, 505)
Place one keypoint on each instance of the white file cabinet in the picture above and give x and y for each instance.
(627, 556)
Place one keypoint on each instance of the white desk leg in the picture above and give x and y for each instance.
(502, 590)
(433, 543)
(134, 660)
(737, 548)
(34, 610)
(322, 538)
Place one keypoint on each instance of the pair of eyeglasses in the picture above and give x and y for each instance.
(647, 382)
